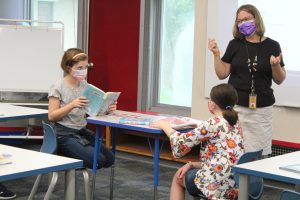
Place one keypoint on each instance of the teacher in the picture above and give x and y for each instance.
(251, 61)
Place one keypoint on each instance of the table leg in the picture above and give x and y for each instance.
(243, 187)
(112, 174)
(156, 165)
(70, 184)
(96, 147)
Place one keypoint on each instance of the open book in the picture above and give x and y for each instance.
(99, 101)
(177, 123)
(291, 168)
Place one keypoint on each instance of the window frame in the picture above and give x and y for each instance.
(149, 61)
(82, 21)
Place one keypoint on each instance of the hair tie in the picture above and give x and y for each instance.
(228, 107)
(79, 54)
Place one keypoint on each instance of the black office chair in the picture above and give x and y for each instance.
(289, 195)
(49, 146)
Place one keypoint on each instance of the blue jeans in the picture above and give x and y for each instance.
(79, 144)
(190, 183)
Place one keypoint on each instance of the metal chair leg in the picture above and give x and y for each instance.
(51, 186)
(35, 187)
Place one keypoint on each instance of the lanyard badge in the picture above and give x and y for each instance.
(252, 66)
(252, 95)
(252, 100)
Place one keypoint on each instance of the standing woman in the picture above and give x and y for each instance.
(251, 61)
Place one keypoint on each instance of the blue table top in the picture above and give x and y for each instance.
(113, 121)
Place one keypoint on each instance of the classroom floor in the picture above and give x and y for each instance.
(133, 180)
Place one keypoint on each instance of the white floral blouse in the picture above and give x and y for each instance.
(221, 147)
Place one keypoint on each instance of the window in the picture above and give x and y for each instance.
(170, 59)
(65, 11)
(176, 53)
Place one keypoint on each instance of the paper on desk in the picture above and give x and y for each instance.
(292, 168)
(5, 159)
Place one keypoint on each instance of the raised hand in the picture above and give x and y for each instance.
(275, 61)
(213, 47)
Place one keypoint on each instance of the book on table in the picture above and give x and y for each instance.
(177, 123)
(291, 168)
(99, 101)
(181, 123)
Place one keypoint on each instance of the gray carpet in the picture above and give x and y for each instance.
(133, 181)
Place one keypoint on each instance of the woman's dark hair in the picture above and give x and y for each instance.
(225, 96)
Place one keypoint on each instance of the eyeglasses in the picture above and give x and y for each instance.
(246, 19)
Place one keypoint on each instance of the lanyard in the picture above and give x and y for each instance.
(252, 66)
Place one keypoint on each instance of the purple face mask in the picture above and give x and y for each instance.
(247, 28)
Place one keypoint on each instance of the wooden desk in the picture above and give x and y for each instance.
(27, 163)
(268, 168)
(12, 112)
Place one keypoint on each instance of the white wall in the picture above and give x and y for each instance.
(286, 119)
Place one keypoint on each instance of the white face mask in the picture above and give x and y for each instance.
(79, 74)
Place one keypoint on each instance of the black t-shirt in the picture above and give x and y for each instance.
(240, 77)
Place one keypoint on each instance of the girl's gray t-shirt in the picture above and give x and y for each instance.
(76, 118)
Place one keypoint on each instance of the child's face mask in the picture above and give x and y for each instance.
(79, 74)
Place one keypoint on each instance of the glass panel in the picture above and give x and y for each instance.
(176, 53)
(65, 11)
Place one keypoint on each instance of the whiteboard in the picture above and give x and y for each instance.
(30, 57)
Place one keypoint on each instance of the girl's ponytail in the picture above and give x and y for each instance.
(230, 115)
(225, 96)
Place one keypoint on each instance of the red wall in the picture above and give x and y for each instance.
(114, 47)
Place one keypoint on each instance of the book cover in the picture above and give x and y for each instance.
(99, 101)
(177, 123)
(135, 121)
(291, 168)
